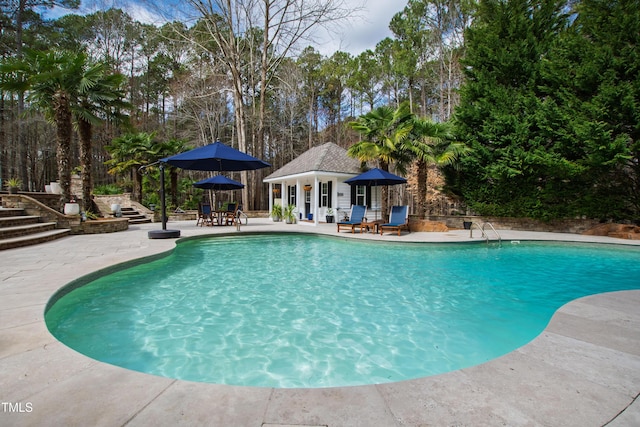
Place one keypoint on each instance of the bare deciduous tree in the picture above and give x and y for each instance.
(285, 25)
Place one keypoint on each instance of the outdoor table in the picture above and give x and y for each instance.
(371, 225)
(220, 215)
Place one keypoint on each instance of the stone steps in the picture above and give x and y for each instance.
(33, 239)
(134, 216)
(25, 229)
(15, 221)
(9, 212)
(19, 229)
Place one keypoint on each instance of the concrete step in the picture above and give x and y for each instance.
(15, 221)
(9, 212)
(134, 216)
(25, 229)
(33, 239)
(143, 220)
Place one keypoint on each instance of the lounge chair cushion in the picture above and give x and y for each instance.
(397, 219)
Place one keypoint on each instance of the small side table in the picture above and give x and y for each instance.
(371, 225)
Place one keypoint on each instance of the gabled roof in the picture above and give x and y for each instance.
(324, 158)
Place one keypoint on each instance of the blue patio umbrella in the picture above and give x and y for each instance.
(218, 182)
(212, 157)
(376, 177)
(215, 157)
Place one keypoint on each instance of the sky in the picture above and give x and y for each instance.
(357, 34)
(364, 31)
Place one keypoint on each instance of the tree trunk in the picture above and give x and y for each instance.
(422, 189)
(63, 136)
(137, 185)
(384, 195)
(84, 128)
(242, 145)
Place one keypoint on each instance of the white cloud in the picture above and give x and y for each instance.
(354, 35)
(362, 32)
(142, 13)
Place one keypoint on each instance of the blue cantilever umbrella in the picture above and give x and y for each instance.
(212, 157)
(375, 177)
(215, 157)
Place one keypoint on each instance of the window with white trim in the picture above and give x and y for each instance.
(324, 194)
(292, 194)
(361, 195)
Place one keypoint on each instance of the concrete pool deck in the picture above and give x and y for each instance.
(583, 370)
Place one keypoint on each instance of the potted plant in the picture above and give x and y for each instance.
(276, 213)
(13, 185)
(289, 214)
(329, 215)
(72, 207)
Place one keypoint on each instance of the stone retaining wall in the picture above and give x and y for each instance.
(33, 207)
(427, 225)
(576, 226)
(72, 222)
(101, 226)
(48, 199)
(104, 202)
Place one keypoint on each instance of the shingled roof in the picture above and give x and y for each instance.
(324, 158)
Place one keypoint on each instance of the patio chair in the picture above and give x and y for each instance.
(204, 215)
(398, 219)
(230, 216)
(355, 218)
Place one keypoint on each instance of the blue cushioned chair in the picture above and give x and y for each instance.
(398, 219)
(204, 215)
(355, 218)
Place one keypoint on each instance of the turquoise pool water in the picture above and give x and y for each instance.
(314, 311)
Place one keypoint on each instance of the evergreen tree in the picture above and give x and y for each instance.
(518, 166)
(551, 110)
(593, 76)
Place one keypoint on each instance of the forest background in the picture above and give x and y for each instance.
(546, 94)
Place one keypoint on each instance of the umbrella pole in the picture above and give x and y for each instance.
(164, 233)
(162, 198)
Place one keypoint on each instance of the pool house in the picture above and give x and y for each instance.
(314, 183)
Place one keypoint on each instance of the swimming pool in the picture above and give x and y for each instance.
(290, 310)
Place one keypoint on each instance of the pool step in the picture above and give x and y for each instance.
(19, 229)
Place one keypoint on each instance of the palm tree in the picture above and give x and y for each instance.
(384, 132)
(129, 152)
(50, 80)
(100, 98)
(64, 86)
(432, 143)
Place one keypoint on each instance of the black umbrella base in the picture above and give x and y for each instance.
(164, 234)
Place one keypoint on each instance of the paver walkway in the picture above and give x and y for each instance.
(583, 370)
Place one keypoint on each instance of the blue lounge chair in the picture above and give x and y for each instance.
(398, 220)
(355, 218)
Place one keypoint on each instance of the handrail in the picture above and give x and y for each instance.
(494, 230)
(479, 228)
(484, 233)
(240, 215)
